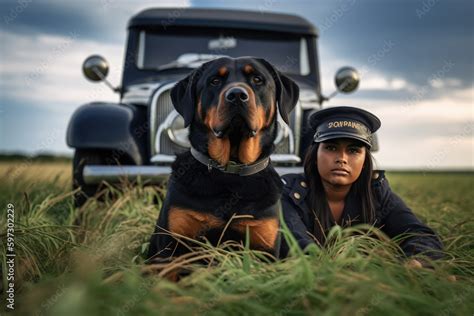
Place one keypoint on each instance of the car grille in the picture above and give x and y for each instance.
(163, 108)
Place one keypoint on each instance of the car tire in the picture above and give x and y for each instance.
(84, 157)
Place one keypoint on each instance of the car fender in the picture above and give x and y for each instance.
(107, 126)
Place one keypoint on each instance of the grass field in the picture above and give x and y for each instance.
(94, 268)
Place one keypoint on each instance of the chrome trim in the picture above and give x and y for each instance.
(291, 140)
(285, 158)
(161, 158)
(95, 174)
(285, 170)
(169, 130)
(309, 99)
(165, 126)
(139, 93)
(297, 136)
(310, 105)
(304, 59)
(153, 105)
(141, 50)
(282, 131)
(294, 138)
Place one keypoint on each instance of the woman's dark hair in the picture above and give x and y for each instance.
(317, 196)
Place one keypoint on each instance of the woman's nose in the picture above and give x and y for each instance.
(341, 157)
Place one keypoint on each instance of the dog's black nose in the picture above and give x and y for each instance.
(236, 94)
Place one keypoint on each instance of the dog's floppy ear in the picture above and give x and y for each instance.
(287, 91)
(183, 96)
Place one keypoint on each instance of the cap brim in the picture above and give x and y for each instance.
(342, 135)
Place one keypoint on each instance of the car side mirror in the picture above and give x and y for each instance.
(347, 79)
(95, 68)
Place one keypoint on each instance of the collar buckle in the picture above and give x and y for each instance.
(232, 167)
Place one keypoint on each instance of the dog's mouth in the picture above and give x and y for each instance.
(237, 128)
(236, 131)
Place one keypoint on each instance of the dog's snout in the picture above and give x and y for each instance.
(236, 94)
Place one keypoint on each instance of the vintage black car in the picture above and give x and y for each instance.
(140, 135)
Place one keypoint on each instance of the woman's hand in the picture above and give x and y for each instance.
(415, 264)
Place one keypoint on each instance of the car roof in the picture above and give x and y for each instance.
(224, 18)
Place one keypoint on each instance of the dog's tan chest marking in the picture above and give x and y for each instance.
(263, 232)
(249, 149)
(191, 223)
(219, 149)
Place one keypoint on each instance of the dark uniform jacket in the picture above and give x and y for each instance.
(392, 216)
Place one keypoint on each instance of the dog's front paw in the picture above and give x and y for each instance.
(164, 267)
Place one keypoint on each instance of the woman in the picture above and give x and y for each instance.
(339, 186)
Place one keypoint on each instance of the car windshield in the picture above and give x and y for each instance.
(158, 51)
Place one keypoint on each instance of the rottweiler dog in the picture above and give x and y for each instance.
(225, 185)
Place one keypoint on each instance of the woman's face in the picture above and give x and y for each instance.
(340, 161)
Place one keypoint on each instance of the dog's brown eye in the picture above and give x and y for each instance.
(215, 81)
(257, 80)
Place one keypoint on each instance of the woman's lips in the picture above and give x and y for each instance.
(340, 172)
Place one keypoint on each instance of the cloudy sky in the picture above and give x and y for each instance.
(415, 58)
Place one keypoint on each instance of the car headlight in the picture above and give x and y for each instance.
(177, 132)
(282, 131)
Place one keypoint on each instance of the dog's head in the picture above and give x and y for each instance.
(231, 105)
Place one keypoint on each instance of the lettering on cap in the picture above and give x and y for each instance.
(352, 124)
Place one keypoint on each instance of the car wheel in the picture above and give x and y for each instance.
(84, 157)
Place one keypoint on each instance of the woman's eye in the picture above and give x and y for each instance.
(257, 80)
(215, 81)
(330, 147)
(354, 150)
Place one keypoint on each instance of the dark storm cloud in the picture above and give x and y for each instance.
(91, 19)
(426, 34)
